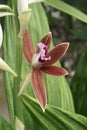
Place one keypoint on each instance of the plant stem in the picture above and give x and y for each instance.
(16, 83)
(17, 103)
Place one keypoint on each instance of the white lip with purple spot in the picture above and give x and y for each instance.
(40, 56)
(43, 49)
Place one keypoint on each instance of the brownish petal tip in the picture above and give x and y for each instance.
(47, 39)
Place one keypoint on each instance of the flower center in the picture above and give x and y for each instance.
(40, 56)
(43, 49)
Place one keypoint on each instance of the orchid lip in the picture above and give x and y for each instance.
(43, 49)
(40, 56)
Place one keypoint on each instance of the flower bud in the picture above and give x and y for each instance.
(22, 6)
(24, 16)
(24, 20)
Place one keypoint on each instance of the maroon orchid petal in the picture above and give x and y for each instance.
(47, 39)
(53, 70)
(28, 47)
(39, 87)
(56, 53)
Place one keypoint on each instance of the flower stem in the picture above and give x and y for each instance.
(17, 102)
(16, 82)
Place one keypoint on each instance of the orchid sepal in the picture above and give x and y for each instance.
(54, 70)
(5, 7)
(5, 67)
(39, 88)
(24, 83)
(2, 14)
(28, 47)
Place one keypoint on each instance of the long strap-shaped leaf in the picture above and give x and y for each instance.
(66, 8)
(9, 45)
(54, 118)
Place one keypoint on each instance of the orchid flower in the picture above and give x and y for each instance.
(23, 5)
(3, 64)
(1, 35)
(5, 13)
(41, 62)
(2, 14)
(24, 14)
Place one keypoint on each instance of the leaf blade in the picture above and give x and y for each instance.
(67, 119)
(66, 8)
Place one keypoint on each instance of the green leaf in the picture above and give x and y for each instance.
(80, 4)
(66, 8)
(9, 47)
(79, 85)
(54, 118)
(4, 124)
